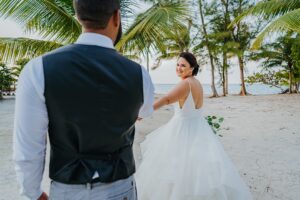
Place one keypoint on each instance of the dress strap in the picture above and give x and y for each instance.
(190, 86)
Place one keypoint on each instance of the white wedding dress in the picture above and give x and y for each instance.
(184, 160)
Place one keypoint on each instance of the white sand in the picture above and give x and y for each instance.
(261, 134)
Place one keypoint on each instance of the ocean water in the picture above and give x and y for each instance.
(255, 89)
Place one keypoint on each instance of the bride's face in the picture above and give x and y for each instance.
(183, 68)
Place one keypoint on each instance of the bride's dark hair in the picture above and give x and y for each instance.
(191, 59)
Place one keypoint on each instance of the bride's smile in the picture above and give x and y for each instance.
(183, 68)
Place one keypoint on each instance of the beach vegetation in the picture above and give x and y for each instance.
(6, 79)
(280, 63)
(281, 15)
(215, 123)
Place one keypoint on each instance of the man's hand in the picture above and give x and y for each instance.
(44, 196)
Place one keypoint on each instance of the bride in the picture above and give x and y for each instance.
(184, 160)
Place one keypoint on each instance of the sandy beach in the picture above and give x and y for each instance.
(261, 134)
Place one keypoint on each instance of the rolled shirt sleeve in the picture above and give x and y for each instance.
(30, 129)
(148, 90)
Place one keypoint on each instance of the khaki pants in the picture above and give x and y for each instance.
(120, 190)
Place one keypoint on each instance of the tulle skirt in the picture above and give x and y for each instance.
(184, 160)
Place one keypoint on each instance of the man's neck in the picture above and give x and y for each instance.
(100, 31)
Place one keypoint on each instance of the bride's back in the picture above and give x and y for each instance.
(194, 94)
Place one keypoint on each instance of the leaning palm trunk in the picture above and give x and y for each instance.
(225, 60)
(224, 74)
(295, 85)
(226, 80)
(243, 86)
(213, 86)
(290, 67)
(1, 89)
(290, 82)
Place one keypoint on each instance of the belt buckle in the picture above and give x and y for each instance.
(89, 186)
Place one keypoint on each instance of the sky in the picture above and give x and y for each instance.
(165, 74)
(10, 29)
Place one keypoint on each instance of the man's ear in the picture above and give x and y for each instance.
(78, 19)
(117, 18)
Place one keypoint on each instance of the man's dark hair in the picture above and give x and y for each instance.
(95, 14)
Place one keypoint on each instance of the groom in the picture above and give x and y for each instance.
(88, 98)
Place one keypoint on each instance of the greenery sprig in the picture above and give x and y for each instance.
(215, 123)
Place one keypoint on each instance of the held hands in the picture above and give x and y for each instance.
(44, 196)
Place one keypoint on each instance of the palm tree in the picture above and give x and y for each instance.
(17, 69)
(178, 41)
(283, 14)
(54, 21)
(211, 58)
(13, 49)
(6, 79)
(152, 30)
(218, 13)
(280, 54)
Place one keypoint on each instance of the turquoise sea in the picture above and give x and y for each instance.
(255, 89)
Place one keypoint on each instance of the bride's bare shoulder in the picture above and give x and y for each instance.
(183, 84)
(198, 82)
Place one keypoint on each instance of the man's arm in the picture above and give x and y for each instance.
(148, 90)
(30, 129)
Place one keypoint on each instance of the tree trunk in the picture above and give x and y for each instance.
(226, 80)
(1, 94)
(213, 86)
(225, 64)
(294, 84)
(224, 74)
(148, 61)
(243, 86)
(290, 81)
(295, 88)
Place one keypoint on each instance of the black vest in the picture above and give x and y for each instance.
(93, 96)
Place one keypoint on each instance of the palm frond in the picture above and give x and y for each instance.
(164, 56)
(127, 7)
(151, 27)
(49, 18)
(265, 54)
(67, 6)
(289, 21)
(269, 9)
(12, 49)
(272, 63)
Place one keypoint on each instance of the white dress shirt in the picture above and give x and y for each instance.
(31, 118)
